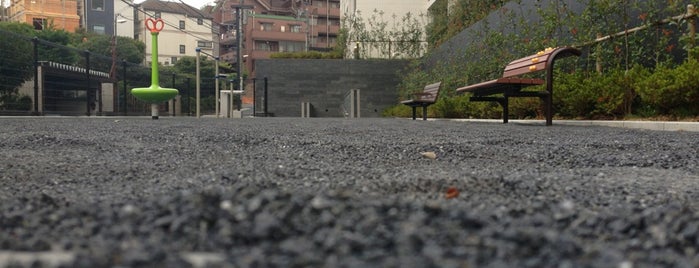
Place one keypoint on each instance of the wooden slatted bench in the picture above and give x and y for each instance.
(426, 97)
(511, 84)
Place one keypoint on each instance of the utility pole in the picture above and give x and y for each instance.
(327, 23)
(238, 30)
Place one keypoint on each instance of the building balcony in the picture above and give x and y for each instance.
(322, 45)
(228, 39)
(324, 12)
(278, 36)
(261, 54)
(322, 29)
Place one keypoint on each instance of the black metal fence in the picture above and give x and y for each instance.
(38, 77)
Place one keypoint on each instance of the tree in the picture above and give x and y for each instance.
(16, 60)
(376, 38)
(56, 46)
(131, 50)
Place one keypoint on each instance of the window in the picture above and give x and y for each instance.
(98, 29)
(181, 25)
(286, 46)
(38, 23)
(97, 5)
(265, 26)
(295, 28)
(182, 49)
(173, 60)
(205, 44)
(283, 29)
(157, 14)
(200, 21)
(262, 45)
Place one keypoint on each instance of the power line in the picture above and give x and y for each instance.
(164, 21)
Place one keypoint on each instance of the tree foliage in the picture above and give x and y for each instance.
(375, 37)
(16, 60)
(17, 57)
(126, 48)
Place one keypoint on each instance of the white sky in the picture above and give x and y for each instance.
(194, 3)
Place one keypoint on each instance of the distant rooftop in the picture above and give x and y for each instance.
(175, 8)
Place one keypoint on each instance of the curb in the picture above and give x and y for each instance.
(649, 125)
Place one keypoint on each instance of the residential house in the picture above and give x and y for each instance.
(186, 28)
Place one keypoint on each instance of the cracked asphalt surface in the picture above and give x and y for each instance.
(294, 192)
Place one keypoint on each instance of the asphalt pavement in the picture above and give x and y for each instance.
(314, 192)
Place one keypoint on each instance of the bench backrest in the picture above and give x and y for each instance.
(538, 62)
(430, 93)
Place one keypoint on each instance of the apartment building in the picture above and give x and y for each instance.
(186, 28)
(60, 14)
(276, 26)
(111, 17)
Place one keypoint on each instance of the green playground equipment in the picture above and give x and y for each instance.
(154, 94)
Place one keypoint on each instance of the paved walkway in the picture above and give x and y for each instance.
(650, 125)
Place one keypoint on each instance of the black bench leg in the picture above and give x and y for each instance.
(424, 112)
(548, 108)
(414, 113)
(505, 110)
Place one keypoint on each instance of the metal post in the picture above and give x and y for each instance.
(123, 63)
(112, 70)
(327, 23)
(218, 94)
(87, 74)
(198, 82)
(254, 100)
(35, 42)
(239, 20)
(174, 101)
(189, 102)
(265, 100)
(231, 104)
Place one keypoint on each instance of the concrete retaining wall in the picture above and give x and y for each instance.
(325, 84)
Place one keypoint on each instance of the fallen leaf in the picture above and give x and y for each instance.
(430, 155)
(451, 193)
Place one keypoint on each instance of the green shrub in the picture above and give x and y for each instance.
(15, 103)
(399, 110)
(572, 96)
(525, 108)
(672, 91)
(451, 107)
(306, 55)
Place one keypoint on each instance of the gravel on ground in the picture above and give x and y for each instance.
(293, 192)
